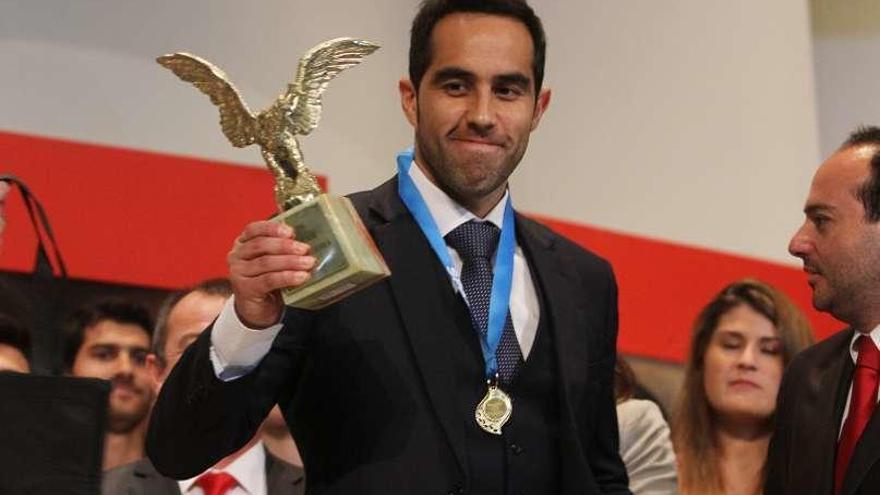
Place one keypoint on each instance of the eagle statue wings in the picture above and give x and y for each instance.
(295, 112)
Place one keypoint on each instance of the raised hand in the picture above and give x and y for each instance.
(264, 259)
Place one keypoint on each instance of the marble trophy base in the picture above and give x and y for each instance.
(347, 258)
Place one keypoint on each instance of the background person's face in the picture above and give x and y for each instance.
(840, 248)
(743, 366)
(186, 321)
(11, 359)
(117, 352)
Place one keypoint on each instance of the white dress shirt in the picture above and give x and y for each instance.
(236, 349)
(249, 470)
(854, 352)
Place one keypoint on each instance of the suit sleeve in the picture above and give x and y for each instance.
(775, 471)
(646, 448)
(198, 418)
(604, 454)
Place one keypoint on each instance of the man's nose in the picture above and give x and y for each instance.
(125, 364)
(481, 113)
(799, 243)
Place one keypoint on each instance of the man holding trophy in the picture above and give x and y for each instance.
(482, 364)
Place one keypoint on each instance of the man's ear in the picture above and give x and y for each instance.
(541, 104)
(408, 100)
(156, 370)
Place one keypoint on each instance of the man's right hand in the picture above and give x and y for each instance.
(264, 259)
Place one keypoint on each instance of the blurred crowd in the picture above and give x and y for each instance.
(720, 426)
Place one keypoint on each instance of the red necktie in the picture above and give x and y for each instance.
(861, 406)
(216, 483)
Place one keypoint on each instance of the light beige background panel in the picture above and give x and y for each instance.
(687, 120)
(85, 70)
(847, 48)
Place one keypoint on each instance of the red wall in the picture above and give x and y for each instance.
(145, 218)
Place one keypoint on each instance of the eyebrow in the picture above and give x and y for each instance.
(452, 73)
(815, 208)
(738, 333)
(516, 79)
(108, 345)
(513, 78)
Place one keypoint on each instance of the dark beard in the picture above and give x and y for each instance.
(121, 423)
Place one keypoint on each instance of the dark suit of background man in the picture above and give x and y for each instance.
(251, 470)
(827, 437)
(380, 389)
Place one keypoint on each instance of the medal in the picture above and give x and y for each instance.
(496, 407)
(494, 410)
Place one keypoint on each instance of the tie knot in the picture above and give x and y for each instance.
(869, 355)
(474, 239)
(216, 482)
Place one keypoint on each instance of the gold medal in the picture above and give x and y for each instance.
(494, 410)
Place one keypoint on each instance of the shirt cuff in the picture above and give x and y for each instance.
(235, 348)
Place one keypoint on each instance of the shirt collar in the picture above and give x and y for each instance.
(875, 336)
(248, 469)
(447, 213)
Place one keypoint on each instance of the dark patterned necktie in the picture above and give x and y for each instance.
(475, 243)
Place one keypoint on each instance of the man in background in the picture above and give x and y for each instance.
(110, 340)
(827, 435)
(251, 470)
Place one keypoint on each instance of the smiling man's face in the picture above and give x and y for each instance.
(476, 106)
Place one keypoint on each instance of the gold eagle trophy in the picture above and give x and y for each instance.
(347, 258)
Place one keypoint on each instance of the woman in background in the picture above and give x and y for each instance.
(742, 341)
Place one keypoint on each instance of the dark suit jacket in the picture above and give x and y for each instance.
(141, 478)
(366, 383)
(809, 409)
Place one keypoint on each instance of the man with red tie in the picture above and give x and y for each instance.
(251, 470)
(827, 435)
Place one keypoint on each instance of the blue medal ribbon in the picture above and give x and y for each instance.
(502, 276)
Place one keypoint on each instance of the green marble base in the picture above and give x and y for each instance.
(348, 260)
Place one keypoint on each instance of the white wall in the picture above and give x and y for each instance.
(686, 120)
(847, 48)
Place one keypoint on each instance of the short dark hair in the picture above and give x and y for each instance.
(432, 11)
(212, 287)
(869, 192)
(114, 309)
(15, 335)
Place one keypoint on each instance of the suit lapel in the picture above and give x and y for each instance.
(563, 317)
(282, 478)
(148, 481)
(563, 314)
(867, 451)
(865, 456)
(416, 272)
(820, 410)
